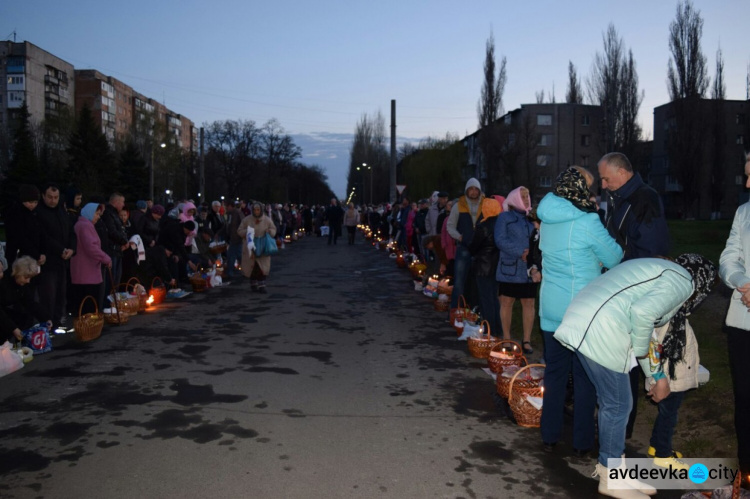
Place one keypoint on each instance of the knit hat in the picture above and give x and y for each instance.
(141, 205)
(472, 182)
(157, 209)
(28, 193)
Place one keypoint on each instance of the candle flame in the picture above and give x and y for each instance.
(150, 300)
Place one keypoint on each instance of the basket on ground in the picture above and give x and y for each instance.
(140, 292)
(126, 301)
(198, 282)
(526, 384)
(442, 305)
(218, 249)
(158, 290)
(460, 314)
(502, 384)
(116, 316)
(417, 269)
(88, 326)
(480, 346)
(401, 261)
(445, 286)
(505, 353)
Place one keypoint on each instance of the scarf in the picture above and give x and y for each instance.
(703, 273)
(571, 185)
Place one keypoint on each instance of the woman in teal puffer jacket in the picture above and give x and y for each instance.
(575, 247)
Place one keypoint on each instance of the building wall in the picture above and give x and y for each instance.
(29, 73)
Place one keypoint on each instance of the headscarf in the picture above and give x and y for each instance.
(89, 211)
(252, 209)
(703, 272)
(490, 208)
(515, 200)
(571, 185)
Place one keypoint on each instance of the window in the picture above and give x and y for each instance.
(545, 181)
(740, 119)
(543, 160)
(545, 140)
(740, 139)
(585, 140)
(584, 160)
(585, 120)
(543, 119)
(507, 119)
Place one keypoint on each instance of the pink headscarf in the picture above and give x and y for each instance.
(515, 201)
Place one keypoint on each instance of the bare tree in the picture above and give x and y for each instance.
(369, 148)
(687, 73)
(279, 153)
(574, 94)
(628, 133)
(489, 109)
(718, 94)
(539, 96)
(687, 82)
(234, 155)
(604, 83)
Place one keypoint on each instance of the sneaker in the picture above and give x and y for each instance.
(603, 473)
(652, 453)
(671, 462)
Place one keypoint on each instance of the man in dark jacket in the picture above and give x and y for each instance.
(22, 230)
(59, 242)
(215, 221)
(335, 217)
(403, 216)
(420, 227)
(172, 236)
(116, 240)
(635, 218)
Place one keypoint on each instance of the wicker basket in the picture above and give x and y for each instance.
(159, 292)
(496, 364)
(526, 414)
(479, 347)
(400, 261)
(127, 302)
(117, 317)
(417, 268)
(218, 249)
(198, 282)
(445, 286)
(502, 384)
(140, 293)
(461, 313)
(88, 326)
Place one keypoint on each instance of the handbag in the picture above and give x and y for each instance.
(265, 245)
(37, 338)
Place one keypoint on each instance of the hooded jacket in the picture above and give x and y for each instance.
(483, 246)
(575, 247)
(512, 233)
(615, 315)
(733, 267)
(465, 214)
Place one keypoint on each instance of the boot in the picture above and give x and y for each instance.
(603, 473)
(254, 285)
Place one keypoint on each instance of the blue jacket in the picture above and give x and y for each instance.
(575, 247)
(614, 316)
(512, 232)
(635, 217)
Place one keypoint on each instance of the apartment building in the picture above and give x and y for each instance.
(538, 141)
(28, 73)
(720, 175)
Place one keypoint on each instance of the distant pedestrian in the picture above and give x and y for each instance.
(334, 215)
(351, 220)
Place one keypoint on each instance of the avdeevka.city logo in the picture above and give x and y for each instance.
(688, 474)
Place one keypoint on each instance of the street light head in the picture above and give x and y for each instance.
(364, 164)
(357, 168)
(168, 192)
(163, 145)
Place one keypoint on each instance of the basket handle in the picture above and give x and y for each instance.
(481, 325)
(154, 280)
(462, 302)
(114, 292)
(80, 307)
(513, 379)
(136, 283)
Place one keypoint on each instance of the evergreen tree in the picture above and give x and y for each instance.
(91, 165)
(24, 166)
(134, 174)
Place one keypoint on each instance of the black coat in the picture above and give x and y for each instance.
(482, 247)
(148, 229)
(117, 236)
(57, 232)
(18, 308)
(23, 233)
(172, 237)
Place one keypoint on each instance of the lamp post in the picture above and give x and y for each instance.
(151, 171)
(364, 166)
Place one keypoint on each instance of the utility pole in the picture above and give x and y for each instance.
(201, 174)
(392, 183)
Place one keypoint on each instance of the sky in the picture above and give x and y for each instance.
(319, 66)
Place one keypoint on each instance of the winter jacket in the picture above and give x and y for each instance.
(57, 234)
(575, 246)
(512, 233)
(234, 218)
(86, 264)
(148, 229)
(732, 267)
(23, 233)
(635, 218)
(116, 234)
(483, 248)
(216, 223)
(261, 226)
(463, 218)
(18, 308)
(431, 221)
(612, 318)
(351, 218)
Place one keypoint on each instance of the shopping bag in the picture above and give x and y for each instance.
(37, 338)
(324, 230)
(10, 360)
(265, 246)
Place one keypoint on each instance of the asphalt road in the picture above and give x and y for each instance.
(340, 382)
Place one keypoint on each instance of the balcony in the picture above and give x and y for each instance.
(51, 79)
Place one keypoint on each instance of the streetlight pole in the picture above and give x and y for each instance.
(151, 171)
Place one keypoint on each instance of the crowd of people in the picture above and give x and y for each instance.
(613, 308)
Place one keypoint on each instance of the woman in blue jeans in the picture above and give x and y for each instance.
(575, 247)
(609, 325)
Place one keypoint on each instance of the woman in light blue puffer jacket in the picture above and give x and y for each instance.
(575, 247)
